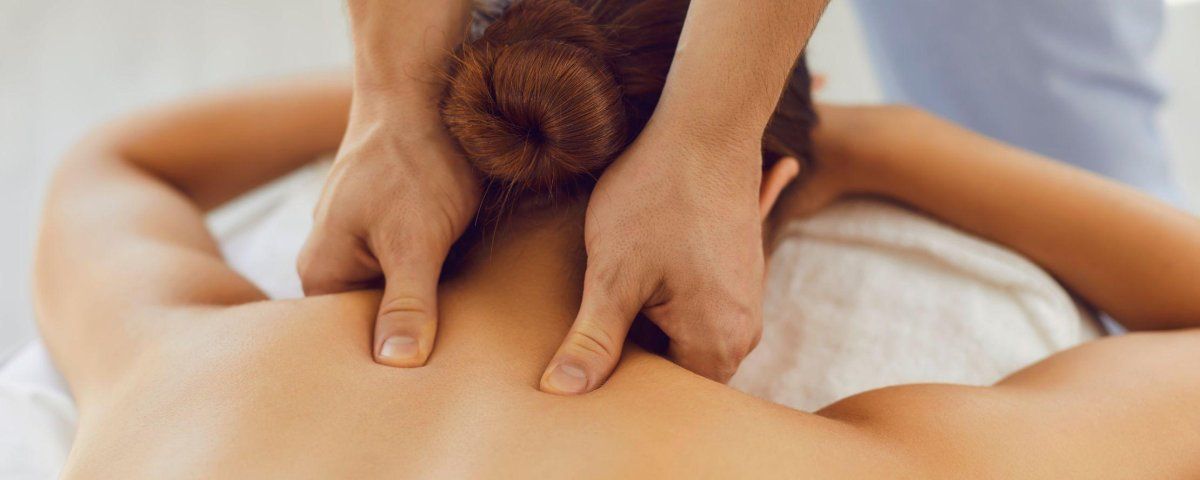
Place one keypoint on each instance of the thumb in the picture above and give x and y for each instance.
(592, 348)
(407, 323)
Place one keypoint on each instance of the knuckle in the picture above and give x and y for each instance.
(307, 266)
(737, 351)
(312, 244)
(708, 361)
(754, 339)
(732, 338)
(405, 307)
(744, 332)
(720, 330)
(725, 372)
(723, 361)
(304, 268)
(313, 280)
(595, 341)
(727, 355)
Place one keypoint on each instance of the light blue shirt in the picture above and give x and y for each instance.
(1069, 79)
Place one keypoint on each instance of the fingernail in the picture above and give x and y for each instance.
(567, 379)
(400, 350)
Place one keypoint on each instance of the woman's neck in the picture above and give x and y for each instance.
(517, 295)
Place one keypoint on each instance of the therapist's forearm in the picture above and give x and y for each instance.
(401, 45)
(731, 65)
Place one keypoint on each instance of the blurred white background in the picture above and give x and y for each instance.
(66, 65)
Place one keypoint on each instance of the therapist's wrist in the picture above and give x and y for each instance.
(713, 142)
(402, 117)
(404, 45)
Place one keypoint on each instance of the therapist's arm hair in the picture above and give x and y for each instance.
(730, 65)
(401, 46)
(124, 254)
(1124, 252)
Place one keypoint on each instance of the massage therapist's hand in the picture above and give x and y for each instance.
(673, 226)
(399, 193)
(672, 230)
(398, 197)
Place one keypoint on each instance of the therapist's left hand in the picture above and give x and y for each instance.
(672, 230)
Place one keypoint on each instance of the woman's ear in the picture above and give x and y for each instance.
(774, 181)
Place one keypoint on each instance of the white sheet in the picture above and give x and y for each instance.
(37, 417)
(863, 295)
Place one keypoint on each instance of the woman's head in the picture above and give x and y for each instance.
(554, 90)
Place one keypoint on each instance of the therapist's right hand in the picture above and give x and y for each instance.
(398, 196)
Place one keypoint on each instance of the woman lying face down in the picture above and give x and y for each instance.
(181, 367)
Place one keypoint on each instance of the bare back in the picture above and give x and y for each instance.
(305, 399)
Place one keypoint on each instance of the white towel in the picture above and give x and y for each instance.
(867, 294)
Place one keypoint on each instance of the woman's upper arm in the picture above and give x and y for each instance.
(115, 246)
(216, 146)
(123, 246)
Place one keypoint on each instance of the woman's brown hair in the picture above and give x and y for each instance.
(554, 90)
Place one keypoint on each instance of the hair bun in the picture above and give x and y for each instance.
(533, 103)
